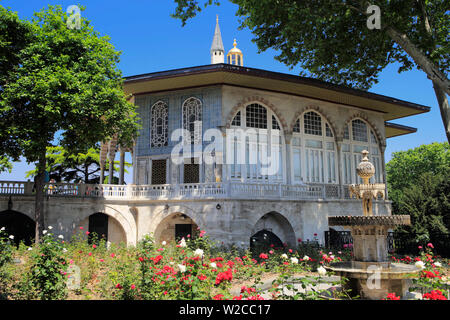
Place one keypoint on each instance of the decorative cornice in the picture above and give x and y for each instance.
(395, 220)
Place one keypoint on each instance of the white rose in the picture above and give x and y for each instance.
(182, 268)
(30, 248)
(306, 258)
(322, 271)
(183, 243)
(294, 260)
(64, 250)
(11, 237)
(198, 253)
(284, 256)
(171, 263)
(420, 265)
(438, 264)
(44, 232)
(61, 236)
(2, 229)
(163, 243)
(50, 227)
(213, 265)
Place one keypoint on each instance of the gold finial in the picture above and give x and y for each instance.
(217, 18)
(235, 43)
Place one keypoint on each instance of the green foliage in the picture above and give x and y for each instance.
(84, 167)
(61, 87)
(406, 167)
(5, 248)
(5, 164)
(418, 184)
(65, 81)
(48, 271)
(304, 31)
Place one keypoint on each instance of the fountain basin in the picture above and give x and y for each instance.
(369, 234)
(375, 280)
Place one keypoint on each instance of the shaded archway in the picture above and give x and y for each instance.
(276, 228)
(264, 239)
(174, 227)
(103, 226)
(19, 225)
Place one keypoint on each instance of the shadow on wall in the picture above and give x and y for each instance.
(19, 225)
(274, 227)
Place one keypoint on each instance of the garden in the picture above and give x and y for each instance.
(87, 268)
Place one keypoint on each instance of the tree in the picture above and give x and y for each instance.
(81, 167)
(332, 41)
(419, 186)
(61, 87)
(405, 167)
(5, 164)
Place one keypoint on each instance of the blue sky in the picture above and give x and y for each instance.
(150, 41)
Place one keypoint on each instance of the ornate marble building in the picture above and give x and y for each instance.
(313, 133)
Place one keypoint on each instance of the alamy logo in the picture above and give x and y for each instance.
(74, 20)
(374, 18)
(73, 277)
(374, 280)
(238, 143)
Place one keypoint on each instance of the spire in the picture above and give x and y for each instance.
(217, 49)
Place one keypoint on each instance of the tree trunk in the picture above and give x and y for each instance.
(39, 199)
(439, 78)
(444, 108)
(440, 82)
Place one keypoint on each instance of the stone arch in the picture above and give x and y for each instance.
(18, 224)
(320, 111)
(260, 100)
(276, 223)
(363, 116)
(166, 229)
(124, 220)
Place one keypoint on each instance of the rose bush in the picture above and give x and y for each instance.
(192, 268)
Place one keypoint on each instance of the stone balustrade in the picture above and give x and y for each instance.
(213, 190)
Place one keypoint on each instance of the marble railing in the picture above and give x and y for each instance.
(214, 190)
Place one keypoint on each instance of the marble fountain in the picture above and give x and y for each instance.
(371, 275)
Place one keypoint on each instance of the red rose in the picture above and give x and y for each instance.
(392, 296)
(263, 256)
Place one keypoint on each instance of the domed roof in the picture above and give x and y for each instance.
(235, 49)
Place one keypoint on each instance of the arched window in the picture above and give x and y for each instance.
(257, 146)
(358, 136)
(192, 119)
(159, 124)
(313, 150)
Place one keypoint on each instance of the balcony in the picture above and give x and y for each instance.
(215, 190)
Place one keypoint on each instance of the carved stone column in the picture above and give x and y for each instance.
(383, 168)
(339, 140)
(288, 160)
